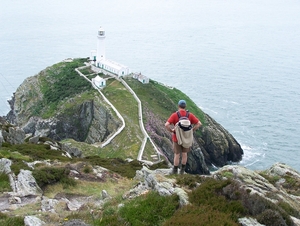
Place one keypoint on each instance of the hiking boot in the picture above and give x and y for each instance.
(175, 170)
(182, 170)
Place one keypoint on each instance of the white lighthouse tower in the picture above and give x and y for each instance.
(100, 61)
(100, 44)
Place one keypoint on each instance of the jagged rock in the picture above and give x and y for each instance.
(75, 222)
(5, 166)
(93, 121)
(248, 221)
(48, 205)
(156, 180)
(14, 200)
(254, 183)
(105, 195)
(34, 140)
(33, 221)
(219, 146)
(281, 169)
(196, 162)
(26, 184)
(73, 205)
(15, 135)
(296, 221)
(73, 151)
(1, 138)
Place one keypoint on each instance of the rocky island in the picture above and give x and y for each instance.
(56, 170)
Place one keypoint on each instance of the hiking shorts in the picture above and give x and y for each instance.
(178, 148)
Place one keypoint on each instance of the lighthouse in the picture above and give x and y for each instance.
(99, 59)
(100, 44)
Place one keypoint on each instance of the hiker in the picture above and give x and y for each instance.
(183, 149)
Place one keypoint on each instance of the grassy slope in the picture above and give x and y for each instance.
(128, 142)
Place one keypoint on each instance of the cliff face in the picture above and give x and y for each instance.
(82, 119)
(213, 145)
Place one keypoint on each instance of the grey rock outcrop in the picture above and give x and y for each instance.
(219, 146)
(254, 183)
(156, 181)
(26, 185)
(5, 166)
(33, 221)
(83, 120)
(73, 151)
(1, 138)
(15, 135)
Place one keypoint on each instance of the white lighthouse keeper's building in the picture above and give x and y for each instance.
(101, 61)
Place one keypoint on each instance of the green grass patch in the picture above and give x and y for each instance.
(4, 183)
(6, 220)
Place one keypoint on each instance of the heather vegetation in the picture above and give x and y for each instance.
(161, 100)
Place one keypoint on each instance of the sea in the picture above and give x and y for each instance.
(238, 60)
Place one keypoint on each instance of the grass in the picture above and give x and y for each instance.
(4, 183)
(148, 151)
(91, 188)
(9, 221)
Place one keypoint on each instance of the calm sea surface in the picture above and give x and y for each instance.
(238, 60)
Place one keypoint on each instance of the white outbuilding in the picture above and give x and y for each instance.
(99, 82)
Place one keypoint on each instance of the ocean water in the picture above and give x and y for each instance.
(238, 60)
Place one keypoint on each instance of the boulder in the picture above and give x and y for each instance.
(5, 166)
(34, 140)
(15, 135)
(73, 151)
(1, 138)
(33, 221)
(26, 184)
(155, 180)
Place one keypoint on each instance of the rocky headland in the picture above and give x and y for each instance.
(50, 148)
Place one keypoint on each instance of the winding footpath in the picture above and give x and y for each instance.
(140, 114)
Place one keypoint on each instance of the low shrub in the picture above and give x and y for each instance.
(120, 166)
(271, 217)
(50, 175)
(189, 180)
(202, 216)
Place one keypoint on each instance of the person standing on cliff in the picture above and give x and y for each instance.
(170, 124)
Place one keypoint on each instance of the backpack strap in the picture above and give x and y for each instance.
(187, 114)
